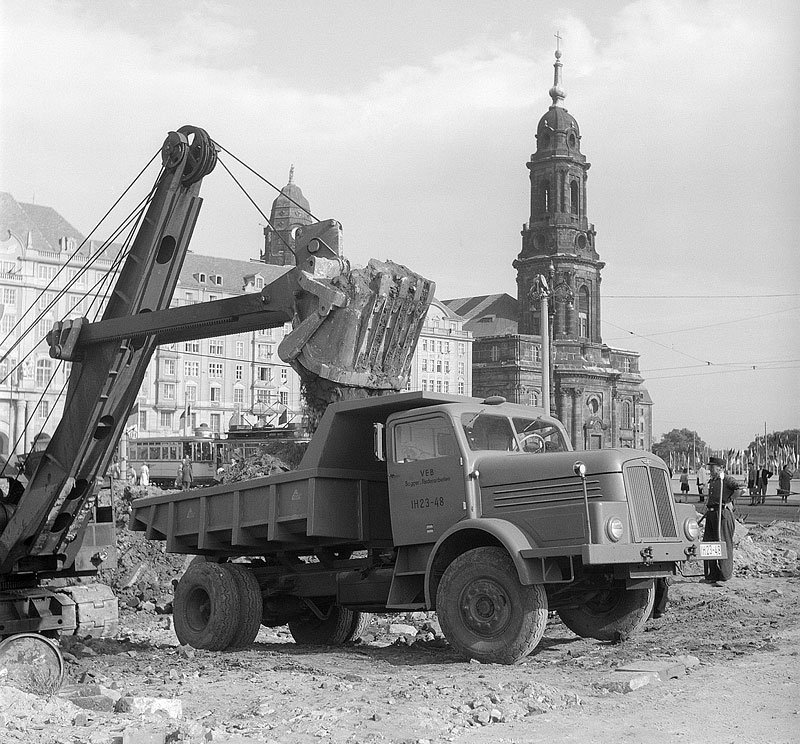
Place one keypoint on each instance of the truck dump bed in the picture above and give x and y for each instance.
(283, 512)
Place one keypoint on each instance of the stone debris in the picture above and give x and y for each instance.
(664, 670)
(150, 706)
(629, 684)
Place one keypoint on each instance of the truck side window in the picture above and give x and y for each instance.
(538, 435)
(424, 440)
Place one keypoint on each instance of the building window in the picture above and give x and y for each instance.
(424, 364)
(283, 397)
(169, 367)
(240, 349)
(461, 368)
(264, 374)
(284, 374)
(461, 387)
(193, 347)
(262, 395)
(259, 282)
(446, 367)
(9, 296)
(438, 365)
(238, 395)
(574, 199)
(165, 419)
(191, 393)
(546, 196)
(446, 386)
(215, 369)
(424, 385)
(216, 347)
(43, 409)
(142, 421)
(191, 369)
(264, 351)
(462, 348)
(188, 298)
(583, 312)
(438, 386)
(495, 354)
(239, 372)
(45, 272)
(424, 344)
(537, 353)
(168, 390)
(44, 369)
(7, 323)
(216, 422)
(627, 415)
(216, 394)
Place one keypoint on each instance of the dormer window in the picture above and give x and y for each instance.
(201, 277)
(259, 282)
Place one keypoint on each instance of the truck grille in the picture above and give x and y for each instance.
(651, 503)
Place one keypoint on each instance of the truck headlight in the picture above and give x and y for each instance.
(614, 529)
(691, 529)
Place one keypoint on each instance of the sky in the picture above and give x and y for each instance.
(411, 124)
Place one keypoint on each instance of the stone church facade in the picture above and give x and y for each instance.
(596, 391)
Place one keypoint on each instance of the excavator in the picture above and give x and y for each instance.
(354, 335)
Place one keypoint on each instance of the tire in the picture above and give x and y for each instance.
(612, 615)
(250, 606)
(337, 628)
(206, 606)
(485, 612)
(361, 621)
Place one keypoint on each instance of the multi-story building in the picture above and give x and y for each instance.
(48, 271)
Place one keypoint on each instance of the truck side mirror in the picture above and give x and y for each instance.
(379, 439)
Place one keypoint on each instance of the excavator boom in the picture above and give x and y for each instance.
(353, 328)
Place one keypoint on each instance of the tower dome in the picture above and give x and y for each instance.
(289, 210)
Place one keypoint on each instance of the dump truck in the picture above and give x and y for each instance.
(354, 333)
(419, 501)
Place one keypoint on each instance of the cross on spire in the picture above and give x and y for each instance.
(558, 36)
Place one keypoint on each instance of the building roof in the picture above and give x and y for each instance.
(487, 315)
(232, 271)
(35, 226)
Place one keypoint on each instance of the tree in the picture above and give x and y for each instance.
(781, 446)
(681, 448)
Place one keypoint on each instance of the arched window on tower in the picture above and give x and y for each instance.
(574, 197)
(546, 196)
(583, 312)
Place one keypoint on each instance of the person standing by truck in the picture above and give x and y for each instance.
(722, 492)
(684, 483)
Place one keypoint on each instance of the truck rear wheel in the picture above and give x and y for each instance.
(611, 614)
(338, 627)
(250, 606)
(206, 606)
(484, 610)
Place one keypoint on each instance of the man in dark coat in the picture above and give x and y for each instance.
(720, 523)
(762, 479)
(785, 482)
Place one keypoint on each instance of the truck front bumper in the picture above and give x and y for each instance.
(642, 554)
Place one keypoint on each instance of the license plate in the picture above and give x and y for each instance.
(710, 550)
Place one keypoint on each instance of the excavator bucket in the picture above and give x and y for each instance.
(357, 327)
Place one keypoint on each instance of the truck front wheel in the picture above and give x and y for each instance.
(251, 606)
(611, 614)
(340, 626)
(205, 608)
(484, 610)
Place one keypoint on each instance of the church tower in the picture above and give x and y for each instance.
(289, 210)
(558, 241)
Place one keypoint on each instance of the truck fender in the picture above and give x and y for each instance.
(473, 533)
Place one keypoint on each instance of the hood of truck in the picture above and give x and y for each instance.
(541, 494)
(505, 468)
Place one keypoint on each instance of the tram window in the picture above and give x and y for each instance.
(187, 450)
(173, 452)
(155, 452)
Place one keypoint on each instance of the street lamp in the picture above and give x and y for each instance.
(541, 293)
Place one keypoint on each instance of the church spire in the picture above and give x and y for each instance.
(557, 92)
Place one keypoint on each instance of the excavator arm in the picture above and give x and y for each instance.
(355, 328)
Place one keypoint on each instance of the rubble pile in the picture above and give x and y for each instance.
(768, 550)
(256, 466)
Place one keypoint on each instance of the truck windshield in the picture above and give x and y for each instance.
(487, 432)
(537, 435)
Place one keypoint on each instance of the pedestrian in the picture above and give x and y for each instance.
(764, 474)
(702, 482)
(752, 483)
(785, 482)
(684, 479)
(720, 523)
(186, 473)
(115, 471)
(131, 478)
(144, 475)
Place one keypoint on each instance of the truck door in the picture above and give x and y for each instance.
(427, 492)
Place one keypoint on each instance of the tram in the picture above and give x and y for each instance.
(207, 451)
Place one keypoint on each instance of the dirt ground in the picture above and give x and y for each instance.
(402, 683)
